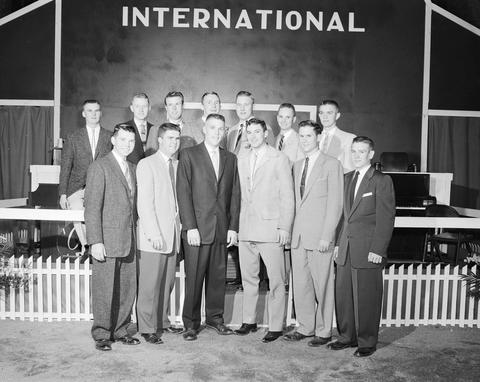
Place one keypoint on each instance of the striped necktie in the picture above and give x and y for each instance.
(280, 144)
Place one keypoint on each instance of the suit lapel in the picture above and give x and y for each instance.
(118, 171)
(269, 153)
(361, 189)
(222, 162)
(86, 142)
(103, 138)
(316, 170)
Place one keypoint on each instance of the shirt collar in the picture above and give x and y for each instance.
(163, 156)
(331, 131)
(139, 122)
(363, 170)
(287, 133)
(122, 162)
(210, 148)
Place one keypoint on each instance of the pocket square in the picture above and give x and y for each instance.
(367, 194)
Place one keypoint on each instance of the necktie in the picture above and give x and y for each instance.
(142, 129)
(94, 142)
(280, 144)
(128, 177)
(214, 156)
(304, 177)
(324, 146)
(171, 171)
(352, 188)
(239, 136)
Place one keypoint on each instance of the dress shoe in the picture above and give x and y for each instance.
(245, 329)
(172, 330)
(337, 345)
(128, 340)
(220, 328)
(190, 335)
(152, 338)
(364, 352)
(103, 345)
(294, 336)
(271, 336)
(319, 341)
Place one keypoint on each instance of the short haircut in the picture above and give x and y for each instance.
(142, 96)
(246, 94)
(209, 93)
(329, 102)
(173, 94)
(256, 121)
(287, 105)
(364, 139)
(317, 128)
(124, 127)
(90, 101)
(215, 116)
(167, 126)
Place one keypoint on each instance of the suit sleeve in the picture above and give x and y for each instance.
(334, 200)
(185, 192)
(236, 199)
(146, 201)
(287, 198)
(385, 216)
(66, 166)
(94, 195)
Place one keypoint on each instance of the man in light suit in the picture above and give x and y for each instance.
(208, 192)
(266, 217)
(190, 134)
(318, 206)
(110, 215)
(158, 235)
(81, 148)
(287, 140)
(237, 137)
(368, 220)
(335, 142)
(140, 107)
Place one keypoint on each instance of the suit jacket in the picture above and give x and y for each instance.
(212, 206)
(157, 206)
(291, 147)
(340, 147)
(77, 156)
(268, 204)
(368, 223)
(243, 145)
(110, 211)
(138, 152)
(318, 212)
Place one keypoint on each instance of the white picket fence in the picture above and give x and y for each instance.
(413, 295)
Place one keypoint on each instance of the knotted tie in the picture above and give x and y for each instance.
(215, 162)
(239, 136)
(324, 146)
(304, 177)
(171, 171)
(280, 144)
(128, 177)
(352, 188)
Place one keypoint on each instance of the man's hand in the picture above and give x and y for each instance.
(98, 251)
(374, 258)
(283, 236)
(157, 244)
(232, 238)
(63, 202)
(193, 237)
(323, 245)
(335, 252)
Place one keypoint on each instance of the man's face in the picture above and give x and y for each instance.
(211, 104)
(308, 139)
(361, 154)
(255, 135)
(214, 131)
(123, 142)
(174, 107)
(169, 143)
(244, 107)
(285, 118)
(140, 108)
(92, 113)
(328, 115)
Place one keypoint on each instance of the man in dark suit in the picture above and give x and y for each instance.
(110, 215)
(81, 148)
(361, 252)
(208, 192)
(140, 107)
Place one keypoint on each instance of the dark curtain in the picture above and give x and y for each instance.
(454, 146)
(26, 137)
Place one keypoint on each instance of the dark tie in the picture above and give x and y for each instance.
(304, 177)
(128, 177)
(239, 136)
(172, 180)
(352, 188)
(280, 144)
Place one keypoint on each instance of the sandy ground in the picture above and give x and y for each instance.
(64, 351)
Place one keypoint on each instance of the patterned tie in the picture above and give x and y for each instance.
(128, 177)
(239, 137)
(171, 171)
(304, 177)
(352, 188)
(280, 144)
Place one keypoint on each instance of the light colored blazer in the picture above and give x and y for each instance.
(243, 145)
(269, 204)
(291, 147)
(110, 211)
(340, 147)
(157, 211)
(317, 214)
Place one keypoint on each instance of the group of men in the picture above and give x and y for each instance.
(201, 188)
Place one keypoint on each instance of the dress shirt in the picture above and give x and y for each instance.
(311, 162)
(142, 129)
(361, 174)
(214, 154)
(327, 138)
(93, 134)
(255, 158)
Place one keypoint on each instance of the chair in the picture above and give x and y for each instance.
(394, 161)
(439, 236)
